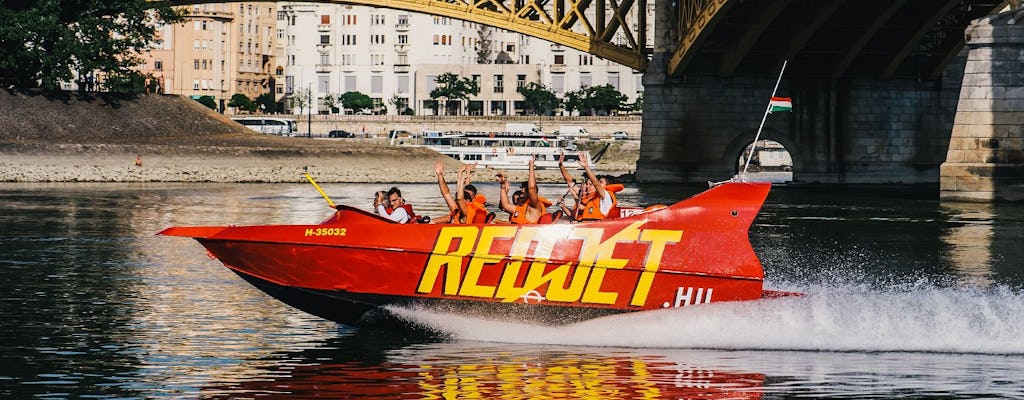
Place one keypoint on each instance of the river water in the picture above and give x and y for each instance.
(906, 297)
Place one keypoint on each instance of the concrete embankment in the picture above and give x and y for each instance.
(177, 140)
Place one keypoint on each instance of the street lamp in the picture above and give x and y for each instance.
(309, 109)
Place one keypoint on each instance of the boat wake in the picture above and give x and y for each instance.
(845, 318)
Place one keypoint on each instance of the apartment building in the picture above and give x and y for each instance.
(220, 50)
(394, 57)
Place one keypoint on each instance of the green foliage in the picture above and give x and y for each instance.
(266, 103)
(242, 102)
(47, 42)
(452, 87)
(603, 98)
(356, 101)
(208, 101)
(538, 99)
(128, 82)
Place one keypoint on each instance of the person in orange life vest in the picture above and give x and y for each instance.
(392, 206)
(465, 208)
(596, 201)
(530, 205)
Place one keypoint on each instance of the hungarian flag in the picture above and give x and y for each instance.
(544, 140)
(781, 104)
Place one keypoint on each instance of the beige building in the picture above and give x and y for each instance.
(220, 50)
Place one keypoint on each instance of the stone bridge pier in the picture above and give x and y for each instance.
(840, 131)
(985, 161)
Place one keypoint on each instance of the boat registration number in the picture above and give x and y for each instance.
(325, 232)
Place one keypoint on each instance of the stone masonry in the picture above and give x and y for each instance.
(985, 160)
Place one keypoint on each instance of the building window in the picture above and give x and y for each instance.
(325, 39)
(289, 84)
(403, 84)
(158, 64)
(431, 82)
(195, 64)
(403, 39)
(325, 59)
(499, 84)
(520, 81)
(559, 59)
(585, 80)
(325, 20)
(350, 83)
(558, 83)
(324, 84)
(376, 19)
(376, 39)
(195, 84)
(613, 79)
(376, 84)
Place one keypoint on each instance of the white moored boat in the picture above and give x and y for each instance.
(503, 150)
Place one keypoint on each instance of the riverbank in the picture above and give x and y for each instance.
(177, 140)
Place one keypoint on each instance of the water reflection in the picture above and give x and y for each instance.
(906, 295)
(968, 241)
(352, 365)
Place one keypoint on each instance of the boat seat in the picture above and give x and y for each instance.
(550, 218)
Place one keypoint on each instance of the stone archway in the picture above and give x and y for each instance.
(739, 143)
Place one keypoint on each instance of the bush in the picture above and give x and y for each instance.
(208, 101)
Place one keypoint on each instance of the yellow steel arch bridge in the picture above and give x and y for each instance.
(612, 29)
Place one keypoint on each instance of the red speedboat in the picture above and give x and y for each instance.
(693, 252)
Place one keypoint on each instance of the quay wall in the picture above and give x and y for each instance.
(379, 125)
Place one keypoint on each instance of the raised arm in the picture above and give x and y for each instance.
(591, 177)
(445, 192)
(460, 190)
(503, 202)
(565, 175)
(531, 187)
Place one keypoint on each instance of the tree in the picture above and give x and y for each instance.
(538, 99)
(266, 102)
(48, 42)
(242, 102)
(483, 45)
(208, 101)
(356, 101)
(452, 87)
(587, 100)
(605, 98)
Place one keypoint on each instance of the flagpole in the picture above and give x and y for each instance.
(763, 118)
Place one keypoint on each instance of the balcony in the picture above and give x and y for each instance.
(402, 68)
(557, 68)
(402, 27)
(323, 47)
(224, 16)
(323, 27)
(402, 48)
(324, 67)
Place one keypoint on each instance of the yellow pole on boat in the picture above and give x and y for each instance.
(310, 178)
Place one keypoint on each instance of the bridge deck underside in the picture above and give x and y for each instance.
(833, 39)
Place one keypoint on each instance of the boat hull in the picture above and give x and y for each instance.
(692, 252)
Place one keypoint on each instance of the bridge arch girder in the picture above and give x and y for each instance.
(615, 30)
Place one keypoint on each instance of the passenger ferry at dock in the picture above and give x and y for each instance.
(502, 150)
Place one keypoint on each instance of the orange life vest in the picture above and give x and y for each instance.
(519, 216)
(476, 212)
(590, 206)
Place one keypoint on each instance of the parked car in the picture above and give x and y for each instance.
(620, 135)
(338, 133)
